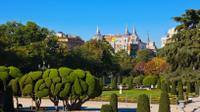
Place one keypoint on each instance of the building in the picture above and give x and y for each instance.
(129, 42)
(69, 40)
(167, 39)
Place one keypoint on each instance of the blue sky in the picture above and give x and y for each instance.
(80, 17)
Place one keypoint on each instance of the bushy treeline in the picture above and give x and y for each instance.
(73, 87)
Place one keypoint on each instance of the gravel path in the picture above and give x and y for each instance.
(93, 106)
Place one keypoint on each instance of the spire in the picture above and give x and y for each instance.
(126, 30)
(134, 32)
(148, 40)
(98, 31)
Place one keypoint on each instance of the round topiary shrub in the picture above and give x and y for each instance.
(114, 102)
(164, 105)
(143, 103)
(106, 108)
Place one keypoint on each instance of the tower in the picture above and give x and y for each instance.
(126, 31)
(98, 35)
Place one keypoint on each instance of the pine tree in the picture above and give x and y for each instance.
(164, 105)
(180, 91)
(114, 102)
(143, 103)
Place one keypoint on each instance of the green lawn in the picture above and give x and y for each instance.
(131, 95)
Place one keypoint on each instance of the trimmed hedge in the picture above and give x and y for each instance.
(114, 102)
(143, 103)
(106, 108)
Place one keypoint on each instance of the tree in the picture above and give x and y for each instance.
(144, 55)
(189, 89)
(73, 87)
(173, 89)
(150, 80)
(180, 91)
(114, 102)
(158, 84)
(106, 108)
(182, 51)
(143, 103)
(164, 105)
(190, 19)
(7, 75)
(114, 82)
(8, 100)
(138, 80)
(155, 66)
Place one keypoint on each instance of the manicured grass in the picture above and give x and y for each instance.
(133, 93)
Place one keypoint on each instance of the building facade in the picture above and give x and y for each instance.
(166, 40)
(69, 40)
(129, 42)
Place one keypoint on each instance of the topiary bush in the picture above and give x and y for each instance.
(114, 102)
(164, 105)
(197, 85)
(180, 90)
(143, 103)
(188, 89)
(106, 108)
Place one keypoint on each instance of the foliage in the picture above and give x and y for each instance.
(143, 103)
(182, 52)
(138, 80)
(8, 100)
(180, 91)
(197, 85)
(150, 80)
(64, 84)
(173, 89)
(144, 55)
(164, 105)
(155, 66)
(106, 108)
(114, 82)
(114, 102)
(189, 89)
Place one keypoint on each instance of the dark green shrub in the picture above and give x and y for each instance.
(173, 89)
(114, 102)
(164, 105)
(114, 83)
(66, 90)
(180, 91)
(106, 108)
(197, 85)
(188, 89)
(78, 73)
(143, 103)
(8, 100)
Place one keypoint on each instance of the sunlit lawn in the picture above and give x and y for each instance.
(131, 95)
